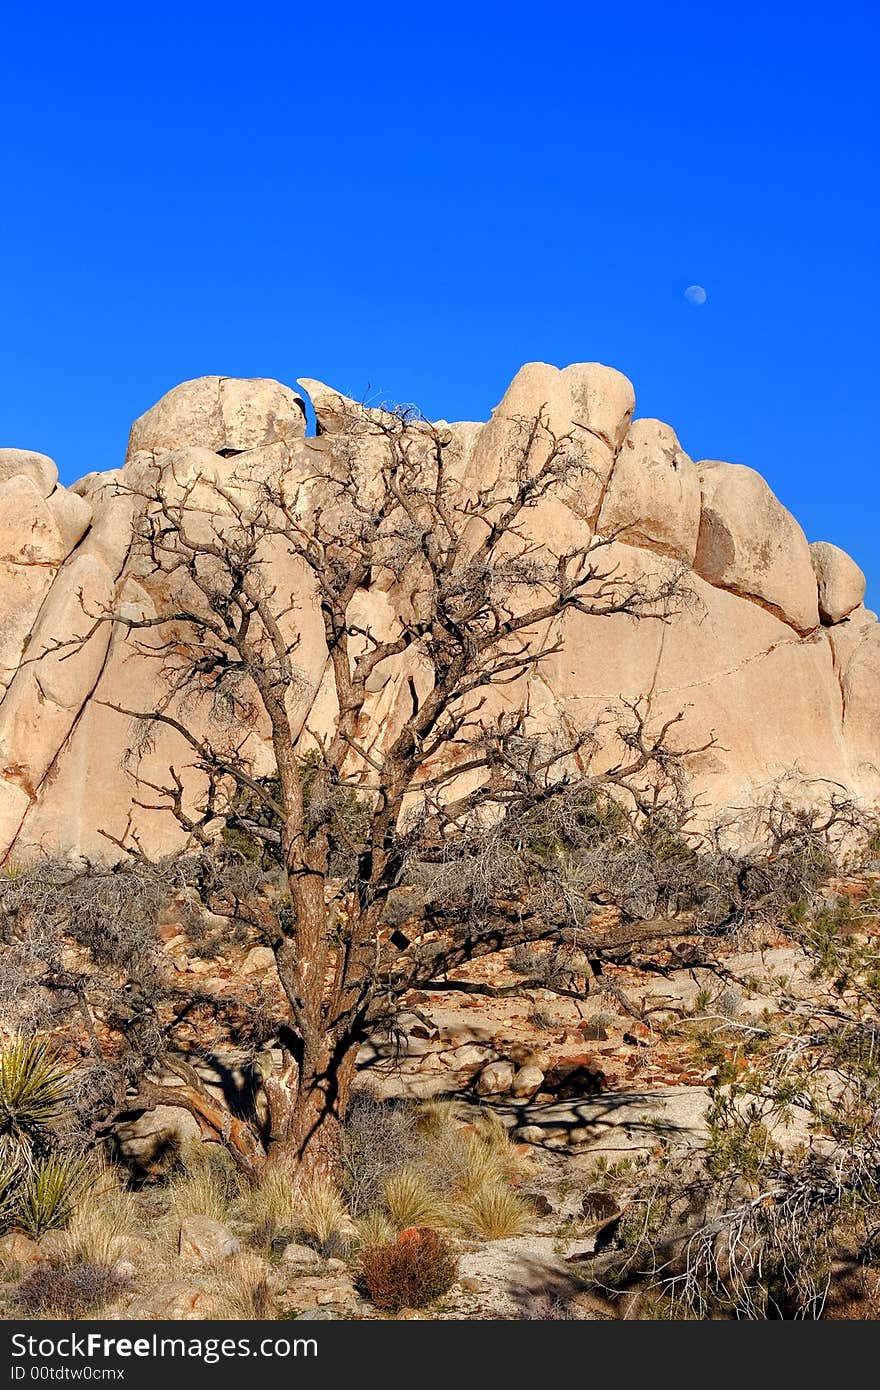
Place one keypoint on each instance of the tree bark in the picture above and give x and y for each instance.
(306, 1137)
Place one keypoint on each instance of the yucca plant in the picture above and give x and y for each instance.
(48, 1193)
(33, 1085)
(10, 1181)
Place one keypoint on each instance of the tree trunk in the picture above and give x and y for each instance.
(306, 1136)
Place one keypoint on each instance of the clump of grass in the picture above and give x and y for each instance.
(242, 1289)
(495, 1213)
(103, 1222)
(409, 1201)
(491, 1131)
(413, 1271)
(269, 1205)
(437, 1119)
(321, 1214)
(374, 1229)
(480, 1164)
(207, 1185)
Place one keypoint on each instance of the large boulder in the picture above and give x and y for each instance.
(29, 534)
(855, 643)
(42, 471)
(224, 414)
(71, 514)
(653, 494)
(749, 543)
(841, 582)
(580, 413)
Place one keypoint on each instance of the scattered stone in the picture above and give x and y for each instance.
(175, 1301)
(527, 1081)
(496, 1079)
(206, 1240)
(18, 1251)
(257, 959)
(300, 1256)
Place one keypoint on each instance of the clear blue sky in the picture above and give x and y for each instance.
(416, 199)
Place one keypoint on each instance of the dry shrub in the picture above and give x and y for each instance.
(380, 1137)
(68, 1291)
(418, 1268)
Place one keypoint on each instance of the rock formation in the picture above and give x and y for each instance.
(773, 654)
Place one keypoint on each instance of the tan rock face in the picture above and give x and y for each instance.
(220, 413)
(841, 582)
(653, 495)
(42, 471)
(29, 534)
(584, 412)
(750, 544)
(741, 653)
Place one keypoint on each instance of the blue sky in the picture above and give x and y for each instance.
(415, 200)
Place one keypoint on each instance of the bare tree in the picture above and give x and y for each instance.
(395, 859)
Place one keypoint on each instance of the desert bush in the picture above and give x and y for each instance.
(67, 1291)
(379, 1138)
(417, 1269)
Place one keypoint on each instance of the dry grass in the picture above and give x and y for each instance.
(438, 1119)
(374, 1229)
(321, 1214)
(269, 1206)
(242, 1289)
(104, 1222)
(207, 1186)
(410, 1201)
(495, 1213)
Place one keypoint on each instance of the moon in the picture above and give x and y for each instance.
(695, 294)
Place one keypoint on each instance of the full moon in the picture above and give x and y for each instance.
(695, 294)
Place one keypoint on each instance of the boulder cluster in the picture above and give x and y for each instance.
(773, 659)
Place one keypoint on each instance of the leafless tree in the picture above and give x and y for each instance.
(396, 859)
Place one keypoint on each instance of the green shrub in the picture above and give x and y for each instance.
(33, 1086)
(48, 1193)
